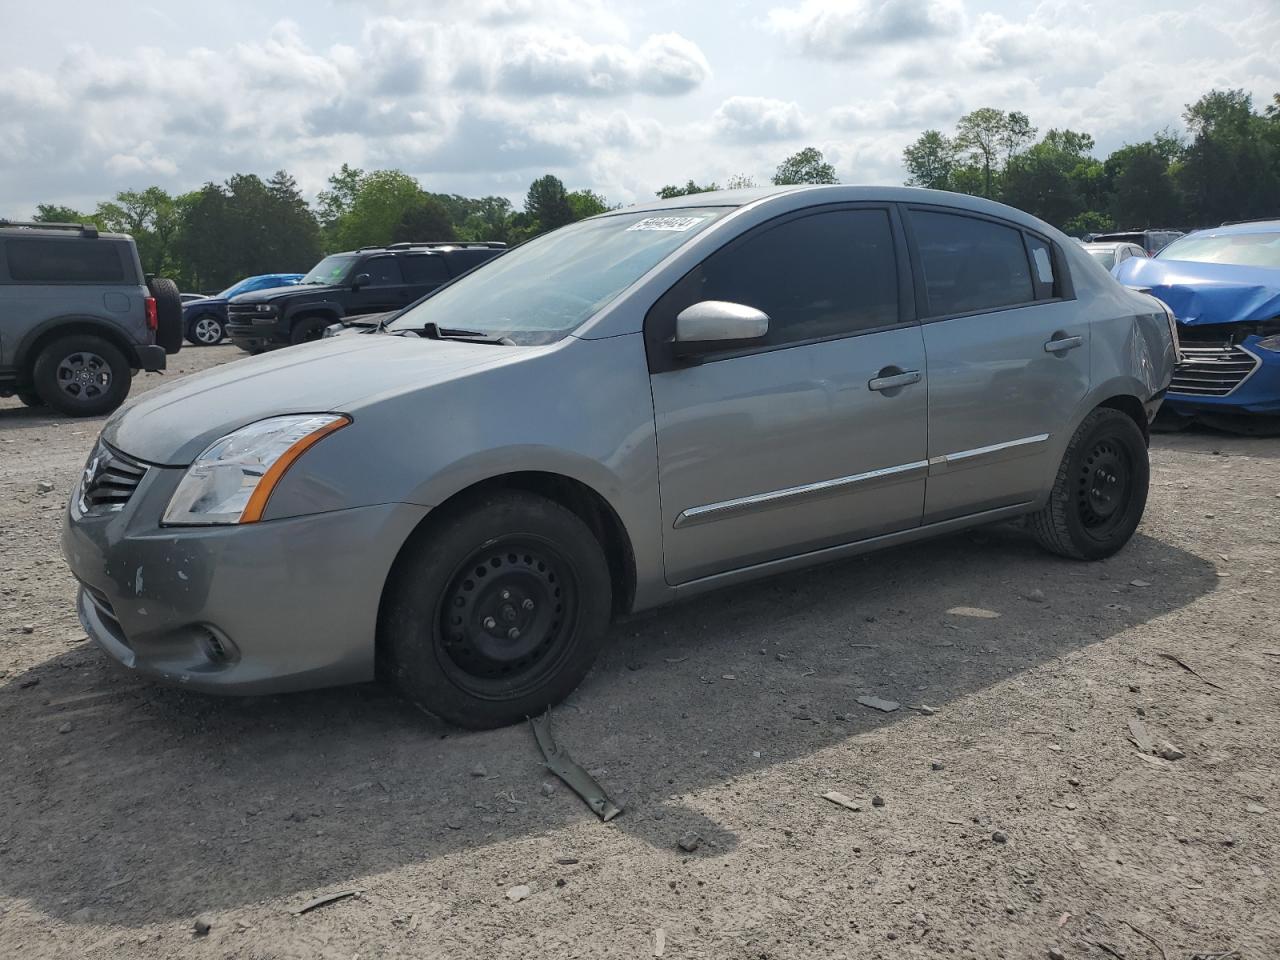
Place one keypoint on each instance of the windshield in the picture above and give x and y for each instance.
(1104, 256)
(330, 269)
(1242, 249)
(236, 288)
(544, 289)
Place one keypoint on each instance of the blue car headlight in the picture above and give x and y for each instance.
(1271, 343)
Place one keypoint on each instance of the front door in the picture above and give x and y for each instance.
(386, 289)
(814, 437)
(1008, 354)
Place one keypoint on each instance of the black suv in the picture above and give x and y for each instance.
(342, 285)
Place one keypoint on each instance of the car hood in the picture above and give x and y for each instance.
(278, 293)
(191, 305)
(171, 425)
(1202, 293)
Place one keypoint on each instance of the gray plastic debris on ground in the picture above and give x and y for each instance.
(566, 768)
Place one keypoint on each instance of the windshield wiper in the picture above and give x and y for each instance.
(433, 331)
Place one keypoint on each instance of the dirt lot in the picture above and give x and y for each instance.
(1017, 818)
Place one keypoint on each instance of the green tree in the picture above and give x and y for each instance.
(1091, 221)
(425, 221)
(370, 217)
(586, 203)
(931, 161)
(671, 190)
(981, 135)
(805, 166)
(1055, 179)
(1231, 169)
(333, 204)
(150, 216)
(489, 219)
(56, 213)
(740, 181)
(1140, 186)
(547, 203)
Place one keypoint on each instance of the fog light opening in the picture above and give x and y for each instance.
(217, 648)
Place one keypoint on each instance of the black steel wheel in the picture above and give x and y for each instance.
(1100, 490)
(495, 611)
(306, 329)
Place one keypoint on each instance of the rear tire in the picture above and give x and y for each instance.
(168, 313)
(307, 329)
(1100, 491)
(81, 375)
(497, 611)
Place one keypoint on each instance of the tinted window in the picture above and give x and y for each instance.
(822, 275)
(382, 271)
(64, 261)
(424, 269)
(970, 264)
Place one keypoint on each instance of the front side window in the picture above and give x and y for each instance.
(382, 271)
(1242, 249)
(969, 264)
(542, 290)
(63, 261)
(822, 275)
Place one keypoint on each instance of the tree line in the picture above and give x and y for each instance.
(211, 237)
(1225, 167)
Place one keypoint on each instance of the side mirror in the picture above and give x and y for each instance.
(714, 324)
(361, 280)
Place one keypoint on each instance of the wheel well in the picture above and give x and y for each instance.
(312, 314)
(30, 351)
(574, 496)
(1131, 405)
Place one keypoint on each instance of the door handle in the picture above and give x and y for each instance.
(894, 380)
(1060, 344)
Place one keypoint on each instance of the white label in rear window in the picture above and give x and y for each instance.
(1044, 268)
(676, 224)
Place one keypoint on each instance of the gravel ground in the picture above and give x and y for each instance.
(1016, 818)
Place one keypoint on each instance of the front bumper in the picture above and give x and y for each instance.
(261, 608)
(255, 334)
(1258, 392)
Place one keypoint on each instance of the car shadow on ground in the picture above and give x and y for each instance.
(128, 802)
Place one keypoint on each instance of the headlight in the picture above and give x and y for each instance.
(231, 481)
(266, 308)
(1271, 343)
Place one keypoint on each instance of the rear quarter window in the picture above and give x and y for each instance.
(38, 260)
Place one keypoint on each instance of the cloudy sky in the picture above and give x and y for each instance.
(480, 96)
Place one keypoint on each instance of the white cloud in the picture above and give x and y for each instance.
(756, 119)
(840, 29)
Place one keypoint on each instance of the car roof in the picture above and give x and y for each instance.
(1250, 226)
(13, 230)
(1108, 244)
(839, 193)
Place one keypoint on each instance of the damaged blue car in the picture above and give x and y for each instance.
(1223, 285)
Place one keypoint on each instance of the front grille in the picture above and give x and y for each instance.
(109, 480)
(1211, 371)
(247, 313)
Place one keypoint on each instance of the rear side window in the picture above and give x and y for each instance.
(63, 261)
(424, 269)
(970, 264)
(822, 275)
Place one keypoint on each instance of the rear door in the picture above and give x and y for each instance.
(1008, 356)
(814, 437)
(423, 272)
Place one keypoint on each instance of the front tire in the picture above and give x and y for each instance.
(496, 612)
(1100, 491)
(81, 376)
(307, 329)
(206, 330)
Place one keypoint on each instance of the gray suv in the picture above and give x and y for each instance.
(631, 410)
(77, 317)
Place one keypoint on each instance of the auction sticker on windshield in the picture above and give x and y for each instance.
(677, 224)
